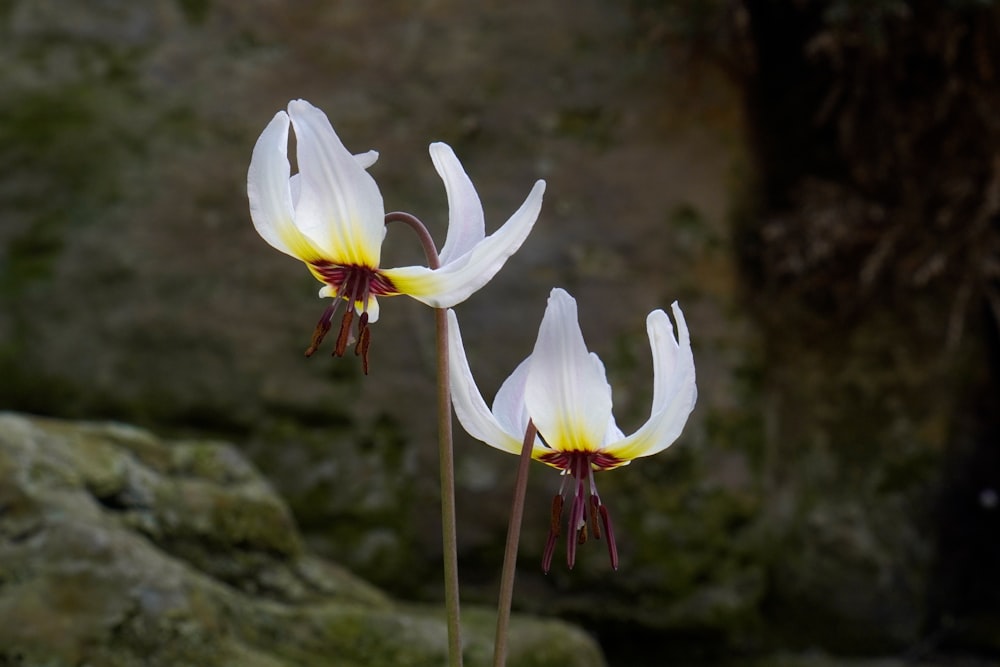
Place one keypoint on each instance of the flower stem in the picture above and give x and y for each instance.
(510, 551)
(446, 453)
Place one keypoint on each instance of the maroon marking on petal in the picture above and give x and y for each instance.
(557, 459)
(382, 286)
(332, 274)
(604, 461)
(336, 275)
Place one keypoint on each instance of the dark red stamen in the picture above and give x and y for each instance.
(345, 332)
(557, 505)
(595, 525)
(364, 338)
(322, 327)
(577, 510)
(587, 513)
(554, 530)
(354, 285)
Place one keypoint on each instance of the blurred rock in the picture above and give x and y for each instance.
(121, 549)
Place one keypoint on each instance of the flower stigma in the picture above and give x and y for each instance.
(586, 508)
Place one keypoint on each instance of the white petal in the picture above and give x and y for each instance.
(567, 395)
(373, 310)
(270, 195)
(366, 159)
(459, 279)
(613, 433)
(295, 185)
(466, 224)
(340, 207)
(470, 408)
(508, 405)
(674, 389)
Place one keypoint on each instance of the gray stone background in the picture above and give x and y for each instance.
(831, 494)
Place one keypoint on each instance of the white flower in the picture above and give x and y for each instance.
(563, 390)
(330, 215)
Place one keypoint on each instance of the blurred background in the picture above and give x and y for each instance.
(817, 182)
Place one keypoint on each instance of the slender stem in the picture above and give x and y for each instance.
(510, 551)
(446, 454)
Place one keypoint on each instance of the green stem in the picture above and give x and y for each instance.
(510, 551)
(446, 453)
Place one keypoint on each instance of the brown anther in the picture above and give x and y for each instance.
(317, 337)
(364, 340)
(557, 505)
(322, 327)
(595, 524)
(345, 332)
(581, 536)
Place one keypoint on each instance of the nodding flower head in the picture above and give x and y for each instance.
(330, 215)
(562, 389)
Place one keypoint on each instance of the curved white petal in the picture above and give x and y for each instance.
(295, 185)
(366, 159)
(508, 405)
(270, 195)
(567, 395)
(612, 433)
(466, 223)
(470, 408)
(459, 279)
(340, 207)
(674, 388)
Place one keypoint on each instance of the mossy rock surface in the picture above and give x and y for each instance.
(120, 549)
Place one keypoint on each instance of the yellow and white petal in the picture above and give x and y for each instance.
(567, 395)
(459, 279)
(466, 224)
(470, 408)
(269, 192)
(340, 207)
(674, 388)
